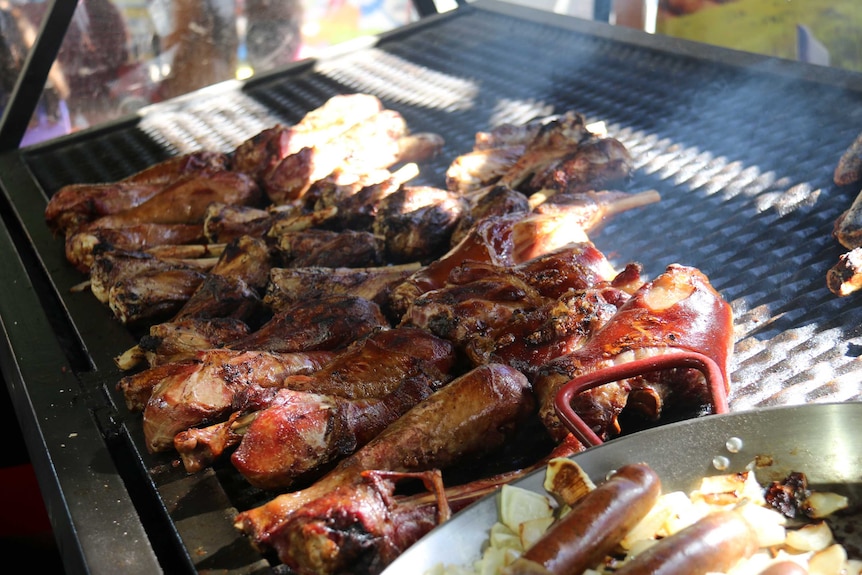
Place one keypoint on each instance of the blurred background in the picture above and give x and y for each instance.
(121, 55)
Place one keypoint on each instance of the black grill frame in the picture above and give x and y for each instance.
(741, 148)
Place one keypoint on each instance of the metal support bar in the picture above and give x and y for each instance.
(31, 81)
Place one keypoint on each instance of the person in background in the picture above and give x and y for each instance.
(17, 35)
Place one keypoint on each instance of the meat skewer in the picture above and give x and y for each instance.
(474, 413)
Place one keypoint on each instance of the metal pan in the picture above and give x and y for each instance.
(820, 440)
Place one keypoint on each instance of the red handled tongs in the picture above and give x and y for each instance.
(713, 374)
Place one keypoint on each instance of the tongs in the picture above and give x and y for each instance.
(678, 359)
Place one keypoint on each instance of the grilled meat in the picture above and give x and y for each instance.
(677, 310)
(845, 277)
(82, 248)
(215, 384)
(186, 201)
(329, 249)
(849, 168)
(504, 240)
(74, 205)
(367, 145)
(375, 365)
(474, 413)
(287, 442)
(180, 340)
(262, 153)
(115, 265)
(224, 222)
(328, 323)
(288, 286)
(415, 223)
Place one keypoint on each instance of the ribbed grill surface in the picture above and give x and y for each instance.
(742, 158)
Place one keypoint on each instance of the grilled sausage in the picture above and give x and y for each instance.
(785, 568)
(595, 526)
(714, 543)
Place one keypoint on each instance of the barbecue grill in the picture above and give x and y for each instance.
(740, 147)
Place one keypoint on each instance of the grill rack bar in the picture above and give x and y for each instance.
(746, 197)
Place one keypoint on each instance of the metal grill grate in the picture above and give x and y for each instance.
(742, 157)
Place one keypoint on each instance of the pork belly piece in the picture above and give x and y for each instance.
(677, 312)
(415, 223)
(289, 286)
(328, 323)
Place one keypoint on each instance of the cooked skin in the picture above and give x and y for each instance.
(328, 323)
(848, 226)
(77, 204)
(154, 295)
(473, 414)
(679, 310)
(261, 153)
(224, 222)
(186, 201)
(849, 168)
(181, 340)
(289, 286)
(115, 265)
(367, 145)
(415, 223)
(503, 240)
(82, 248)
(288, 442)
(375, 365)
(329, 249)
(216, 384)
(845, 277)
